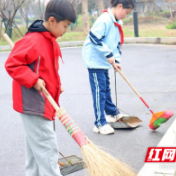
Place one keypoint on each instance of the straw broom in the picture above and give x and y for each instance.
(98, 162)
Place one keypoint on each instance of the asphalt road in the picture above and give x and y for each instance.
(152, 71)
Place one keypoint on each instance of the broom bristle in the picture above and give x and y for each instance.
(100, 163)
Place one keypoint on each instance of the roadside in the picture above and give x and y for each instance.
(131, 40)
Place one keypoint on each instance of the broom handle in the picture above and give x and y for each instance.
(73, 129)
(135, 91)
(9, 41)
(50, 99)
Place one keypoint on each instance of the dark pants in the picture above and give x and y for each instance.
(101, 93)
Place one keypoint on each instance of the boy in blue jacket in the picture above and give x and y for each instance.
(101, 51)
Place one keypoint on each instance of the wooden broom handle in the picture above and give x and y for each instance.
(50, 99)
(129, 83)
(9, 41)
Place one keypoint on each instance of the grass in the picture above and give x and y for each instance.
(150, 31)
(171, 26)
(145, 30)
(72, 36)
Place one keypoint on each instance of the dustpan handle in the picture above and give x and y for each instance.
(116, 93)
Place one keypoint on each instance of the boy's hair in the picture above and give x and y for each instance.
(127, 4)
(61, 10)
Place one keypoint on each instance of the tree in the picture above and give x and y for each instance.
(85, 16)
(8, 10)
(92, 5)
(171, 6)
(38, 9)
(41, 6)
(0, 28)
(107, 3)
(100, 5)
(25, 11)
(75, 4)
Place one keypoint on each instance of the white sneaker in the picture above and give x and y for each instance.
(111, 118)
(105, 129)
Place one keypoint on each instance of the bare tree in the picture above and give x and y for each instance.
(33, 9)
(85, 16)
(25, 10)
(38, 9)
(170, 6)
(107, 3)
(41, 6)
(8, 10)
(0, 28)
(100, 4)
(75, 4)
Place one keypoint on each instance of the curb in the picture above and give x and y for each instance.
(130, 40)
(151, 40)
(71, 44)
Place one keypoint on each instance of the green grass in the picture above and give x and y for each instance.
(171, 26)
(72, 36)
(144, 31)
(164, 12)
(150, 31)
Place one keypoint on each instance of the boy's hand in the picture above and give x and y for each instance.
(40, 86)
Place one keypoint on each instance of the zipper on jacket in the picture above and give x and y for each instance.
(38, 65)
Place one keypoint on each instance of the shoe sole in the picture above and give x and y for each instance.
(103, 133)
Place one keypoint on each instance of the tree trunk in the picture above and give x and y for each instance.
(85, 16)
(100, 6)
(171, 9)
(9, 25)
(40, 10)
(107, 3)
(1, 28)
(9, 28)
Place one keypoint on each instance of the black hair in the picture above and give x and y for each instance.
(61, 10)
(127, 4)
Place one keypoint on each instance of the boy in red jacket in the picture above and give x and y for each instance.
(33, 64)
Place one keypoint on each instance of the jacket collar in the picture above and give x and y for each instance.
(111, 15)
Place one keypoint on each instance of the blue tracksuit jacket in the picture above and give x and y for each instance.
(102, 42)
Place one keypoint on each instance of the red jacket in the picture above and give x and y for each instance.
(34, 56)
